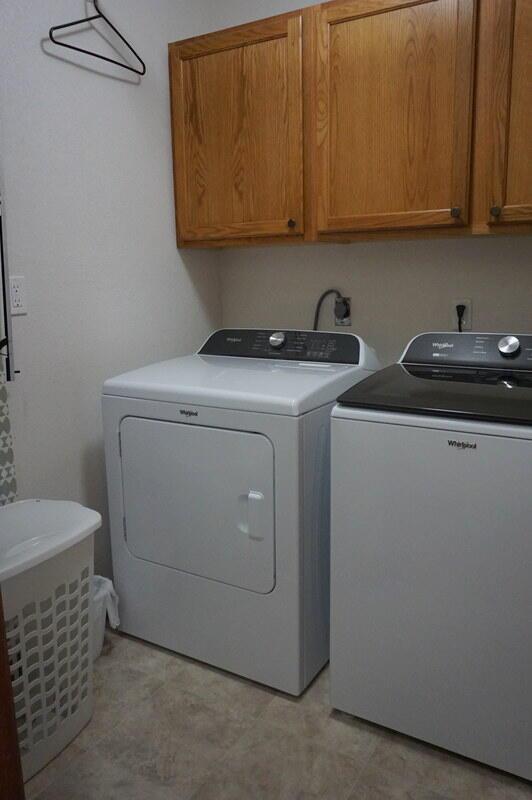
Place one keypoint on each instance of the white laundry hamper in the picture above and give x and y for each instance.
(46, 567)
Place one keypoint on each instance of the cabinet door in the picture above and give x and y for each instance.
(393, 113)
(238, 136)
(503, 147)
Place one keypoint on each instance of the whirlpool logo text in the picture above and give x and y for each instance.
(462, 445)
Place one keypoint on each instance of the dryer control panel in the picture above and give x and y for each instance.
(488, 350)
(317, 346)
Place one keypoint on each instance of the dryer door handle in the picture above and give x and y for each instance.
(255, 516)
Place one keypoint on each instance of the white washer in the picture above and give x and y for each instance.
(218, 478)
(431, 539)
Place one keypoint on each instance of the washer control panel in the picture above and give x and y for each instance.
(317, 346)
(489, 350)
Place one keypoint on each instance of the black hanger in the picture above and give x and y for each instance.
(99, 15)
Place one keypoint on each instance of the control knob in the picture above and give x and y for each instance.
(278, 340)
(509, 346)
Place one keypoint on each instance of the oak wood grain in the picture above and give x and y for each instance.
(394, 219)
(394, 113)
(346, 10)
(310, 111)
(519, 159)
(372, 101)
(463, 109)
(238, 36)
(503, 118)
(349, 237)
(237, 118)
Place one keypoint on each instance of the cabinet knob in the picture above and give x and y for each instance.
(291, 223)
(456, 212)
(495, 211)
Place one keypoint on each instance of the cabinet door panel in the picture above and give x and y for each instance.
(237, 120)
(503, 118)
(519, 181)
(394, 113)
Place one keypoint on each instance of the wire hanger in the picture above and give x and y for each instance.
(99, 15)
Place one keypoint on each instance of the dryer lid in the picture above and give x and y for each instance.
(269, 385)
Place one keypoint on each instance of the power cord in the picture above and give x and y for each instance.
(460, 312)
(340, 306)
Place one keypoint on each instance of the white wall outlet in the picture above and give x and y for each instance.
(467, 322)
(17, 295)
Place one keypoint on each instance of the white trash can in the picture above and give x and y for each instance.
(104, 606)
(46, 567)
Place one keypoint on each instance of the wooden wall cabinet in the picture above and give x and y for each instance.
(355, 119)
(393, 114)
(237, 122)
(503, 141)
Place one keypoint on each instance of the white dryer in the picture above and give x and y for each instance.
(431, 539)
(218, 479)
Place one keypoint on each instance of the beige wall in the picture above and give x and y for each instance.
(86, 160)
(398, 288)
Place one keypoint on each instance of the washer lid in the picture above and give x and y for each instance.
(243, 384)
(32, 531)
(503, 396)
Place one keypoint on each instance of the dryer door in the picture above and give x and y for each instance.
(200, 500)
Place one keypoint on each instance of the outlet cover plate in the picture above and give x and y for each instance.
(17, 295)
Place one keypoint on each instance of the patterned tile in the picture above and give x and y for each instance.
(92, 778)
(8, 481)
(405, 769)
(168, 728)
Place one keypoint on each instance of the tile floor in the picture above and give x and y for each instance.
(168, 728)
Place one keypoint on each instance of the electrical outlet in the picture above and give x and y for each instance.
(467, 322)
(17, 295)
(342, 312)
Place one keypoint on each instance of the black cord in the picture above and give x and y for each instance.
(460, 312)
(320, 303)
